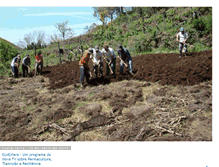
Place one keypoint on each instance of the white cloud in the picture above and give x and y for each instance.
(61, 14)
(70, 14)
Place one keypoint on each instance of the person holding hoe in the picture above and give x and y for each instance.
(26, 65)
(125, 57)
(39, 63)
(97, 61)
(182, 38)
(110, 59)
(15, 63)
(83, 65)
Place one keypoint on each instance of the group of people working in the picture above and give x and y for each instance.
(26, 62)
(97, 56)
(108, 55)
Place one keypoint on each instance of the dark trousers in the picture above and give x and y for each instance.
(39, 68)
(181, 46)
(25, 70)
(15, 71)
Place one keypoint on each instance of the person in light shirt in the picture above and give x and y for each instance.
(97, 61)
(110, 57)
(182, 38)
(15, 63)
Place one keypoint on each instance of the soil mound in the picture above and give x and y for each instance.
(167, 68)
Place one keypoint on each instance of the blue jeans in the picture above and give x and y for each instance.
(129, 63)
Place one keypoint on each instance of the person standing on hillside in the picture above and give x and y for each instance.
(83, 65)
(15, 63)
(97, 61)
(26, 65)
(39, 63)
(124, 56)
(182, 38)
(110, 59)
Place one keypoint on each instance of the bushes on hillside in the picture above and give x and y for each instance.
(7, 52)
(152, 29)
(203, 24)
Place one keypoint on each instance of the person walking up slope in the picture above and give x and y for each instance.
(182, 38)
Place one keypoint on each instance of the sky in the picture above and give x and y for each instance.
(15, 22)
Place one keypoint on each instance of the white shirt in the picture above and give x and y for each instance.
(182, 37)
(97, 56)
(109, 53)
(15, 60)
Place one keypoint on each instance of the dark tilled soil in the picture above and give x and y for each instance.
(121, 111)
(167, 68)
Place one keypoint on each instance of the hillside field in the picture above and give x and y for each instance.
(167, 99)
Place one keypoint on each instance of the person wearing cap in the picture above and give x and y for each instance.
(97, 61)
(182, 38)
(26, 65)
(15, 63)
(83, 65)
(39, 62)
(125, 57)
(110, 59)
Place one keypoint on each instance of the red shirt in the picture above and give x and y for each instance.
(84, 59)
(39, 57)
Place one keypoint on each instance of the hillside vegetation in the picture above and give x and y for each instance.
(7, 52)
(141, 29)
(152, 31)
